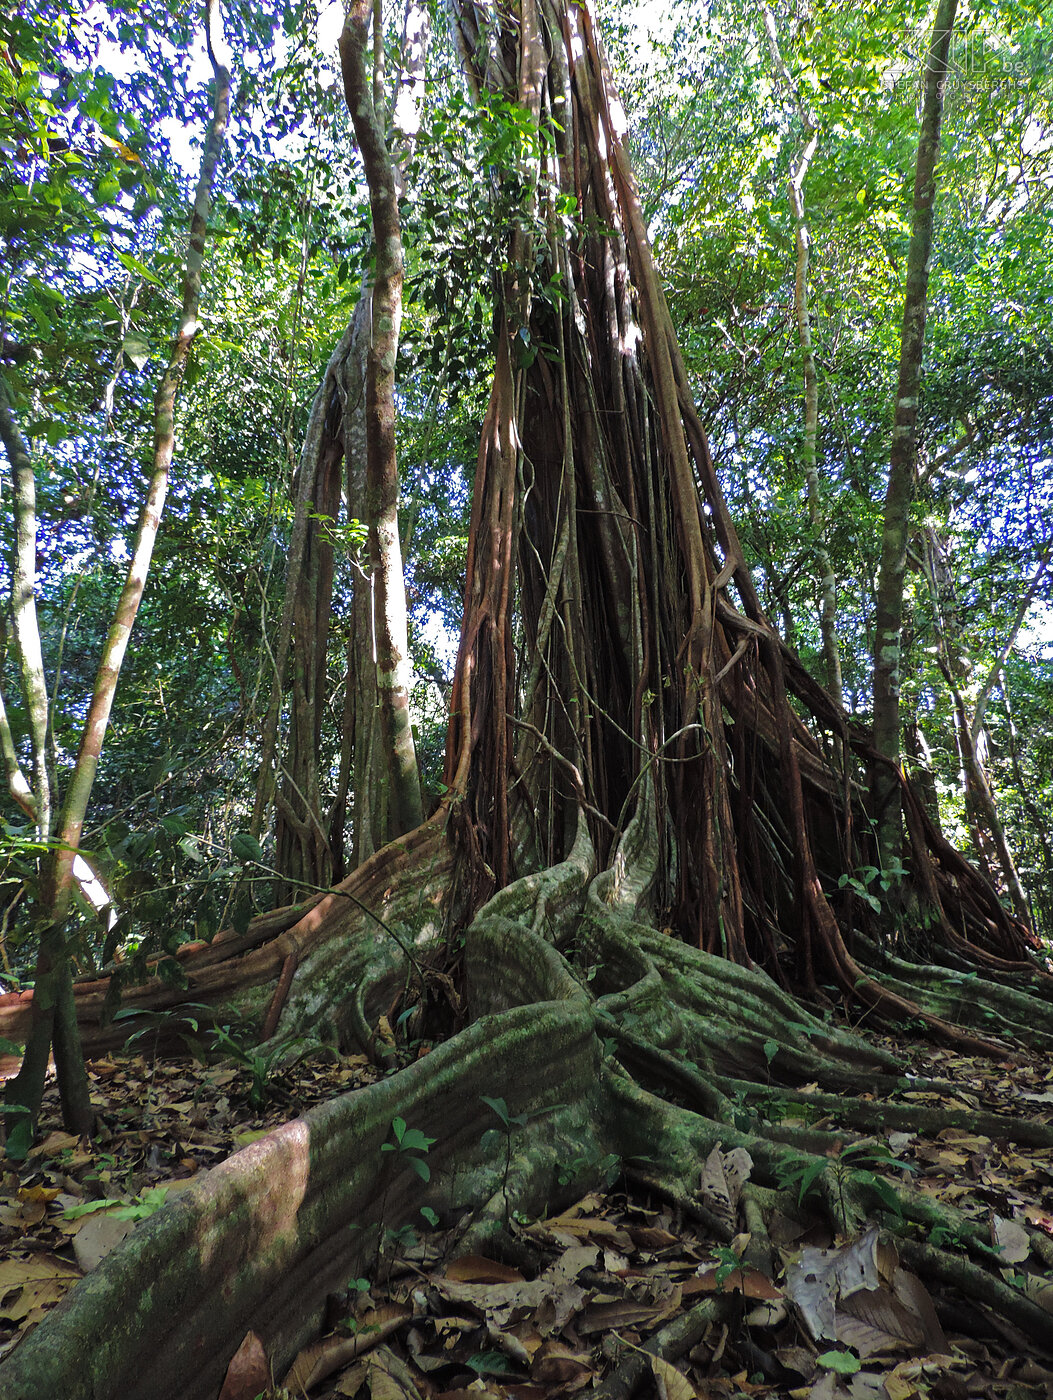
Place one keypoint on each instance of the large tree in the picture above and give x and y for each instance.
(650, 842)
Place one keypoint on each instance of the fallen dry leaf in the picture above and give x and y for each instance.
(723, 1177)
(1011, 1239)
(319, 1360)
(747, 1281)
(248, 1373)
(98, 1234)
(671, 1383)
(29, 1286)
(556, 1364)
(473, 1268)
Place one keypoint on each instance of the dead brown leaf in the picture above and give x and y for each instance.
(556, 1364)
(747, 1281)
(671, 1383)
(29, 1286)
(319, 1360)
(723, 1177)
(473, 1268)
(248, 1373)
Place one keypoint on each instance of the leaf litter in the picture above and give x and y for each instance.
(596, 1289)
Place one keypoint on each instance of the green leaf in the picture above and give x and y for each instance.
(771, 1049)
(88, 1208)
(245, 847)
(19, 1137)
(429, 1215)
(843, 1362)
(413, 1140)
(499, 1107)
(140, 269)
(421, 1168)
(489, 1363)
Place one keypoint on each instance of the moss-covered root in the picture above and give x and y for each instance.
(259, 1242)
(368, 938)
(988, 1002)
(868, 1115)
(734, 1021)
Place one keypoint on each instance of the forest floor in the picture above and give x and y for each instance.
(619, 1295)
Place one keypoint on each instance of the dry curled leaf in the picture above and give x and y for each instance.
(473, 1268)
(723, 1177)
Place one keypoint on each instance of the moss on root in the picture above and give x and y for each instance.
(608, 1037)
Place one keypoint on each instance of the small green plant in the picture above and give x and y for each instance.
(727, 1262)
(606, 1167)
(412, 1146)
(400, 1237)
(509, 1123)
(852, 1168)
(407, 1142)
(866, 878)
(262, 1062)
(182, 1021)
(949, 1237)
(141, 1208)
(19, 1137)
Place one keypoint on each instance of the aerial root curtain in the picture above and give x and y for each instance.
(615, 662)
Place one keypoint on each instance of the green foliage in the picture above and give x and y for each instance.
(842, 1363)
(408, 1142)
(146, 1203)
(852, 1168)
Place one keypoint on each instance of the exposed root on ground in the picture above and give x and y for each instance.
(608, 1037)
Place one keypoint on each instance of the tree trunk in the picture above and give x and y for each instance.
(377, 785)
(888, 623)
(393, 677)
(989, 838)
(637, 819)
(802, 242)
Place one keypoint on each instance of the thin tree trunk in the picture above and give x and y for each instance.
(809, 458)
(389, 613)
(54, 1018)
(24, 619)
(989, 838)
(311, 838)
(1039, 823)
(885, 791)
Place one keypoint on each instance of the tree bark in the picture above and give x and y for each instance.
(372, 737)
(888, 623)
(382, 482)
(989, 838)
(25, 627)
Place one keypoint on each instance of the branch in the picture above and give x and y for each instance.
(989, 684)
